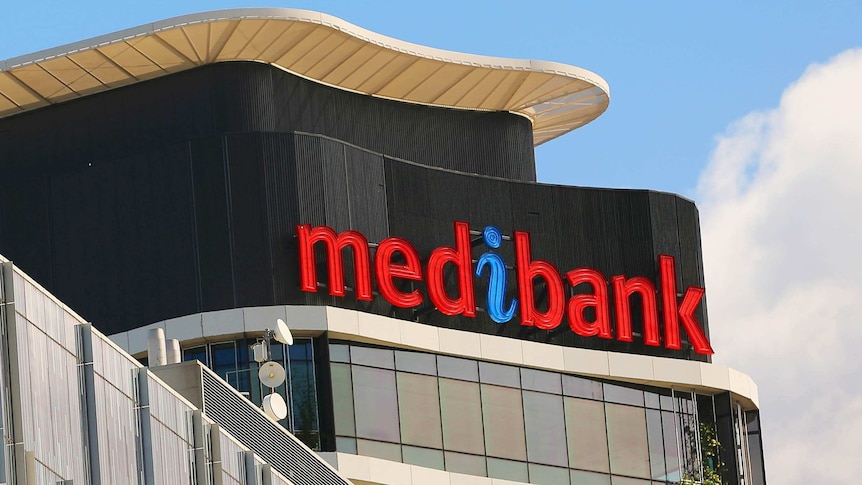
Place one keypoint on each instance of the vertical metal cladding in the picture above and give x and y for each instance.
(186, 190)
(282, 205)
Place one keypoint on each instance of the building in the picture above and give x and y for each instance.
(77, 409)
(456, 321)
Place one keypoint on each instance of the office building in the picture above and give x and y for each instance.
(455, 320)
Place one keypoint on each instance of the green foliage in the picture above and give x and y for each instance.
(710, 457)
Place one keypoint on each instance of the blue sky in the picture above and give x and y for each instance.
(679, 72)
(758, 102)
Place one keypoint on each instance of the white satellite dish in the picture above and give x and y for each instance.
(271, 374)
(275, 407)
(282, 333)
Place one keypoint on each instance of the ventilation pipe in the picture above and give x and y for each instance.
(175, 355)
(156, 351)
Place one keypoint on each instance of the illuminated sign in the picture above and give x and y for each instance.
(397, 258)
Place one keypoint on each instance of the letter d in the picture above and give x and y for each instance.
(461, 257)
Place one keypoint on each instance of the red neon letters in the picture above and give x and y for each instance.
(623, 290)
(458, 258)
(693, 294)
(334, 245)
(601, 326)
(461, 258)
(386, 271)
(527, 271)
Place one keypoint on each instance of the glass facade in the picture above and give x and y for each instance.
(501, 421)
(233, 362)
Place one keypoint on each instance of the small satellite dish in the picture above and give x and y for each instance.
(271, 374)
(275, 407)
(282, 333)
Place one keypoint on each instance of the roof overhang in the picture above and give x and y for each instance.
(557, 98)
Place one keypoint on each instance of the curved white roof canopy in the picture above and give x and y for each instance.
(557, 98)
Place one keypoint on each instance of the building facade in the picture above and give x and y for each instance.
(77, 409)
(456, 320)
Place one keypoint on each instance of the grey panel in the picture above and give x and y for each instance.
(335, 195)
(366, 190)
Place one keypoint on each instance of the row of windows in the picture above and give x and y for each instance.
(503, 421)
(502, 375)
(484, 465)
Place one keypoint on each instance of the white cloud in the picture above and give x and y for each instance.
(781, 210)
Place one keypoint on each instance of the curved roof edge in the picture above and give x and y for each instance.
(359, 326)
(557, 98)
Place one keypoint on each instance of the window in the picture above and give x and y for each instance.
(546, 429)
(376, 404)
(461, 410)
(587, 437)
(503, 420)
(419, 409)
(627, 440)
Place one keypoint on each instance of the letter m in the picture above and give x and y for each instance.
(334, 245)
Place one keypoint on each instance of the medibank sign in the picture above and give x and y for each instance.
(397, 259)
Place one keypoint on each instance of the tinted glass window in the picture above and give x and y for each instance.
(546, 428)
(276, 352)
(671, 453)
(666, 403)
(687, 428)
(196, 353)
(587, 438)
(755, 450)
(548, 475)
(538, 380)
(501, 375)
(752, 419)
(656, 444)
(419, 409)
(376, 404)
(297, 351)
(503, 417)
(415, 362)
(372, 357)
(624, 395)
(461, 410)
(423, 457)
(303, 389)
(627, 440)
(343, 406)
(651, 400)
(345, 445)
(386, 451)
(224, 360)
(507, 469)
(456, 368)
(578, 387)
(469, 464)
(339, 353)
(580, 477)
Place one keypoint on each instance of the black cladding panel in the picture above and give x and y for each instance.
(182, 194)
(612, 231)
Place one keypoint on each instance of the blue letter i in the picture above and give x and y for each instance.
(496, 277)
